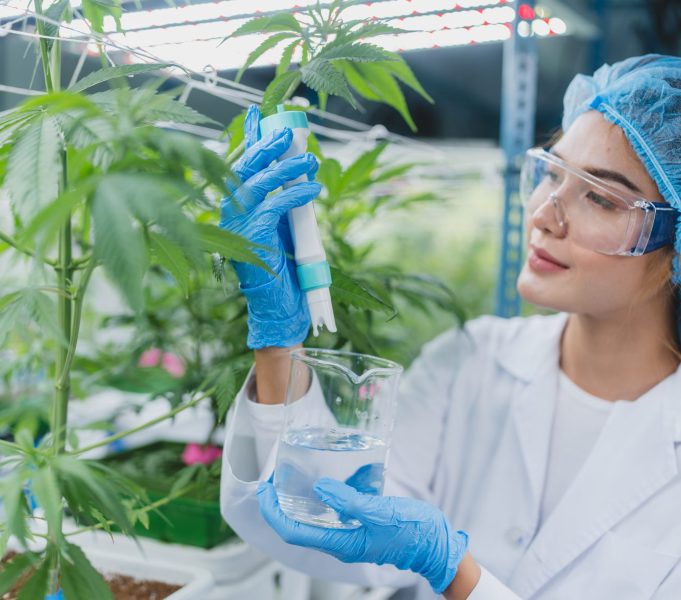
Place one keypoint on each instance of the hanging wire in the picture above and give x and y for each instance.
(219, 87)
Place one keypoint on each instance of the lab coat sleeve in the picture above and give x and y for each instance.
(248, 457)
(490, 588)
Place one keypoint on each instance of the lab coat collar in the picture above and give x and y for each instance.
(533, 344)
(633, 459)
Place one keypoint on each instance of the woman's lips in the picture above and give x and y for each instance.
(542, 262)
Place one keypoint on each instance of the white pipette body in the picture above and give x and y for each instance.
(313, 271)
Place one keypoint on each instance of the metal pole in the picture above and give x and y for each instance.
(518, 99)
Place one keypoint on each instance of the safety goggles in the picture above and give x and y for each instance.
(596, 214)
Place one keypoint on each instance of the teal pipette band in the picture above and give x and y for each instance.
(293, 119)
(313, 276)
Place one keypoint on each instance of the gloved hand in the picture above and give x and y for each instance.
(277, 311)
(409, 534)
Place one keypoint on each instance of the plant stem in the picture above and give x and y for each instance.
(122, 434)
(65, 373)
(44, 53)
(17, 246)
(58, 421)
(66, 324)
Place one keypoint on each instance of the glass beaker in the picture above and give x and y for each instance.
(339, 417)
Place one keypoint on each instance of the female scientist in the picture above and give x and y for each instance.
(533, 457)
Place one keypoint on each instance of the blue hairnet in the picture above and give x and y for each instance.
(642, 95)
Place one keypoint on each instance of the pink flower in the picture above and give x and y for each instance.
(169, 362)
(150, 358)
(196, 453)
(173, 364)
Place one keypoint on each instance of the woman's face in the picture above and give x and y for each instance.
(589, 282)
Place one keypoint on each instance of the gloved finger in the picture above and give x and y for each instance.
(312, 174)
(262, 153)
(284, 231)
(293, 197)
(348, 502)
(289, 530)
(252, 125)
(367, 479)
(273, 177)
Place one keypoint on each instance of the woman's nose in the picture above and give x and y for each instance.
(550, 217)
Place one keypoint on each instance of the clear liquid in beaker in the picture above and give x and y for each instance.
(305, 455)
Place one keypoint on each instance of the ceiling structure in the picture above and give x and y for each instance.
(454, 48)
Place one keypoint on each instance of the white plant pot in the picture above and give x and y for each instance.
(239, 571)
(331, 590)
(195, 581)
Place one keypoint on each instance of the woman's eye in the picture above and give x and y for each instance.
(601, 201)
(552, 176)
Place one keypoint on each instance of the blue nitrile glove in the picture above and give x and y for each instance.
(277, 311)
(407, 533)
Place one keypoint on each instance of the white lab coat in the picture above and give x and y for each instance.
(472, 437)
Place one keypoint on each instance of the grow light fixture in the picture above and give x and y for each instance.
(189, 34)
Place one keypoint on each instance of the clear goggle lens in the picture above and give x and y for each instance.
(596, 215)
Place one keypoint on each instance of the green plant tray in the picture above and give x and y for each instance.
(191, 521)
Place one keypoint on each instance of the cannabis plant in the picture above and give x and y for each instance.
(92, 184)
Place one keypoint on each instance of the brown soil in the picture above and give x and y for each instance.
(122, 587)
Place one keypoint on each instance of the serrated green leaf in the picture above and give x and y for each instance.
(369, 30)
(346, 290)
(43, 310)
(93, 132)
(34, 168)
(36, 586)
(11, 126)
(151, 107)
(278, 90)
(13, 570)
(44, 225)
(349, 329)
(46, 491)
(16, 509)
(184, 477)
(329, 175)
(322, 76)
(282, 21)
(79, 579)
(286, 57)
(155, 200)
(235, 131)
(269, 43)
(229, 245)
(55, 13)
(143, 517)
(109, 73)
(358, 84)
(119, 244)
(394, 172)
(95, 11)
(88, 485)
(362, 168)
(72, 438)
(12, 314)
(403, 72)
(227, 379)
(161, 107)
(187, 151)
(381, 84)
(354, 52)
(170, 256)
(143, 380)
